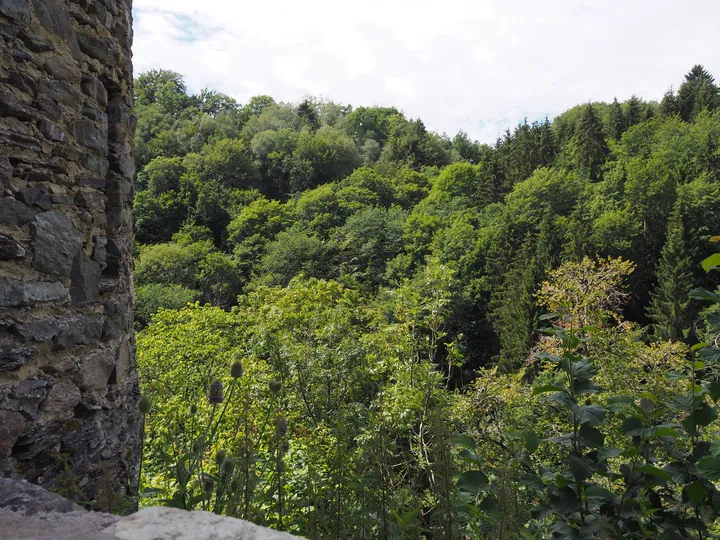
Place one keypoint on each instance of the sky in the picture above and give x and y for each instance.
(480, 66)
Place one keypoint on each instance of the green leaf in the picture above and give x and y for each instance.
(581, 467)
(597, 492)
(151, 492)
(710, 354)
(712, 262)
(713, 320)
(696, 492)
(473, 481)
(702, 294)
(593, 415)
(531, 441)
(620, 403)
(607, 452)
(632, 426)
(663, 431)
(466, 441)
(654, 471)
(715, 447)
(548, 316)
(548, 356)
(533, 481)
(714, 390)
(709, 467)
(586, 387)
(548, 388)
(698, 365)
(564, 501)
(591, 437)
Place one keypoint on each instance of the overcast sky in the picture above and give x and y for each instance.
(476, 65)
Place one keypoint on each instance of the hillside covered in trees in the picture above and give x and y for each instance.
(378, 287)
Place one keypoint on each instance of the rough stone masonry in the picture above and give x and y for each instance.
(68, 383)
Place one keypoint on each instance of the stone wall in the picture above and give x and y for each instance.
(68, 384)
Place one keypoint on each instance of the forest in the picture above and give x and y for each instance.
(350, 326)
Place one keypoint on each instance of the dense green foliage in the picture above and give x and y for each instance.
(382, 286)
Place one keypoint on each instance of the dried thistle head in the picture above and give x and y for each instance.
(281, 426)
(215, 395)
(236, 370)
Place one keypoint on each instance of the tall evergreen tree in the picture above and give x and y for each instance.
(616, 121)
(588, 146)
(669, 105)
(633, 112)
(546, 144)
(697, 93)
(669, 302)
(515, 315)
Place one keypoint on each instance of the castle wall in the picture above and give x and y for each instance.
(68, 383)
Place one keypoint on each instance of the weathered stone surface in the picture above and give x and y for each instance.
(12, 424)
(14, 213)
(22, 81)
(61, 400)
(18, 10)
(172, 524)
(98, 48)
(35, 196)
(63, 67)
(28, 500)
(40, 330)
(85, 280)
(96, 164)
(30, 393)
(13, 357)
(10, 249)
(79, 329)
(88, 134)
(56, 242)
(6, 170)
(51, 131)
(29, 512)
(15, 293)
(57, 134)
(95, 370)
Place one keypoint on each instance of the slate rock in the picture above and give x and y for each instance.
(34, 43)
(60, 92)
(10, 249)
(35, 196)
(28, 499)
(54, 15)
(6, 170)
(13, 357)
(30, 393)
(100, 49)
(12, 106)
(51, 131)
(95, 370)
(79, 329)
(99, 253)
(88, 134)
(12, 425)
(18, 10)
(22, 81)
(56, 242)
(14, 293)
(96, 164)
(64, 68)
(61, 399)
(84, 280)
(40, 330)
(13, 213)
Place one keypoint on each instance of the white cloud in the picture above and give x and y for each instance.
(476, 65)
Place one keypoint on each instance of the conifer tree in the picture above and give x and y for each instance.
(697, 93)
(669, 105)
(514, 315)
(634, 112)
(588, 146)
(616, 121)
(669, 301)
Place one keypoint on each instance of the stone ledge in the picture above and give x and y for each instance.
(28, 512)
